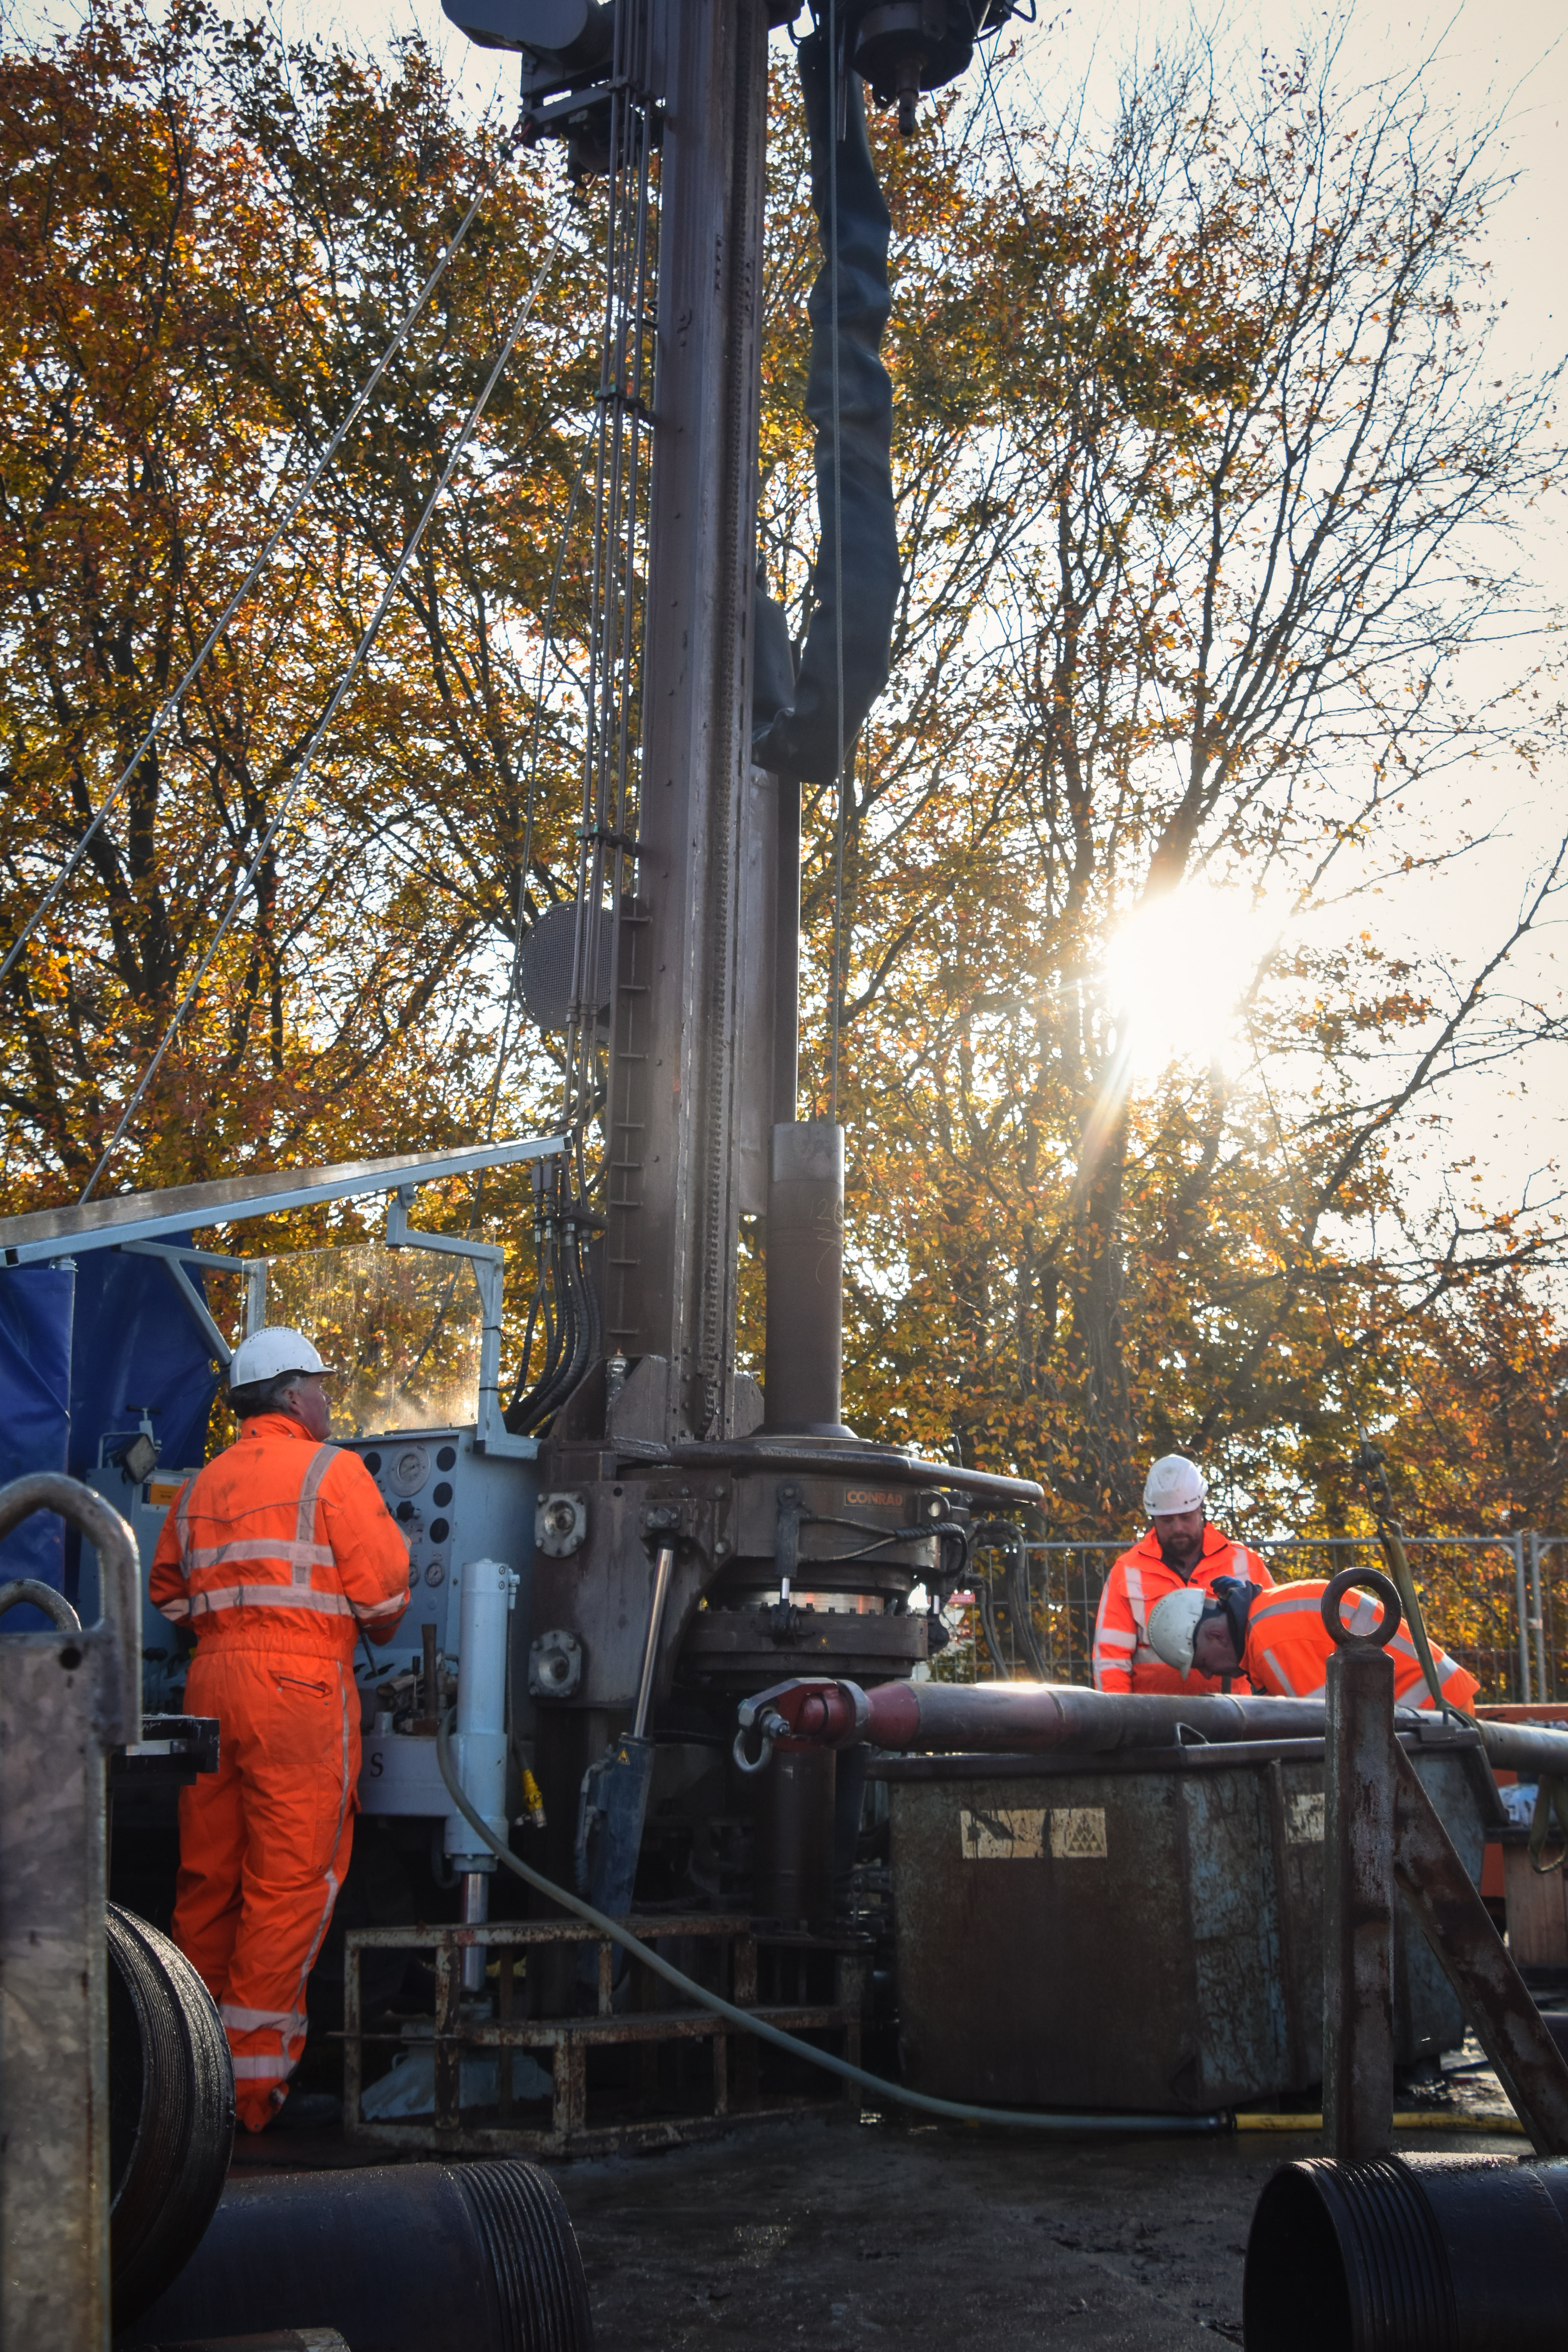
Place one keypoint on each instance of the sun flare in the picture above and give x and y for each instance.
(1175, 975)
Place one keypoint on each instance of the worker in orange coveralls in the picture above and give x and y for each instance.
(1180, 1549)
(1279, 1640)
(274, 1555)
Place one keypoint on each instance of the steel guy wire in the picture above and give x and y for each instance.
(838, 979)
(615, 601)
(356, 661)
(167, 709)
(997, 105)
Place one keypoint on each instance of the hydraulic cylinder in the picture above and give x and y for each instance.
(804, 1373)
(485, 1596)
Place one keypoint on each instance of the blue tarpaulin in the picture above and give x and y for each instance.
(35, 1415)
(136, 1344)
(80, 1357)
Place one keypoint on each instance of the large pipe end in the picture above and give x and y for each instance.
(1439, 2251)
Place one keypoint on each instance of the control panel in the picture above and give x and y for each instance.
(453, 1503)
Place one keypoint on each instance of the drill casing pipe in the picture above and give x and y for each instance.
(1002, 1718)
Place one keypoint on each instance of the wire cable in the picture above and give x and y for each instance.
(997, 105)
(834, 66)
(167, 709)
(953, 2110)
(306, 758)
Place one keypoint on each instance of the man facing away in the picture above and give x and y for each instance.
(1181, 1550)
(274, 1556)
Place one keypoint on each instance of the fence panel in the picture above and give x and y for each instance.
(1497, 1603)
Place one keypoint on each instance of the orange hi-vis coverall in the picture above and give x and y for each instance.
(1288, 1648)
(1124, 1659)
(275, 1555)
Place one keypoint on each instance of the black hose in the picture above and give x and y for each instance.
(1020, 1608)
(809, 741)
(985, 1601)
(561, 1277)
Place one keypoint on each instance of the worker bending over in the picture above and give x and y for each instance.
(274, 1556)
(1278, 1640)
(1181, 1551)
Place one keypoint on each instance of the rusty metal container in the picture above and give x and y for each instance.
(1141, 1930)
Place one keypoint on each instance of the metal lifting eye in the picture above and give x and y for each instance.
(1370, 1580)
(744, 1763)
(769, 1728)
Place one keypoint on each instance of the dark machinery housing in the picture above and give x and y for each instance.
(699, 1537)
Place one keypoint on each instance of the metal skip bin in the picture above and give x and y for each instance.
(1143, 1930)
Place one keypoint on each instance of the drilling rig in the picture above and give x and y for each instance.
(696, 1539)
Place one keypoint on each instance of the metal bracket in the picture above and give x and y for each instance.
(177, 1259)
(560, 1525)
(491, 1435)
(554, 1663)
(1382, 1830)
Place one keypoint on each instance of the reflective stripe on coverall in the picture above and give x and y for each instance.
(1288, 1648)
(275, 1555)
(1124, 1659)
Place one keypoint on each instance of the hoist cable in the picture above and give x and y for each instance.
(565, 1307)
(835, 67)
(986, 77)
(357, 662)
(615, 603)
(269, 545)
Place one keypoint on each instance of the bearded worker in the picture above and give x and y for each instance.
(1180, 1549)
(273, 1556)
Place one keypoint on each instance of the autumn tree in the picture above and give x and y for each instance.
(209, 240)
(1205, 487)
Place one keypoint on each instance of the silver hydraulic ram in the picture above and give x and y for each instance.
(487, 1592)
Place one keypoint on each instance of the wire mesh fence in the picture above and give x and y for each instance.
(1497, 1603)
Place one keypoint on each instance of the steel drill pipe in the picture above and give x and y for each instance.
(1428, 2254)
(1023, 1719)
(802, 1377)
(399, 2258)
(1014, 1717)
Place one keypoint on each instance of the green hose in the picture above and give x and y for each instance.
(955, 2110)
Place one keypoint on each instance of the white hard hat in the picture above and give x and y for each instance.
(1173, 1484)
(268, 1354)
(1174, 1624)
